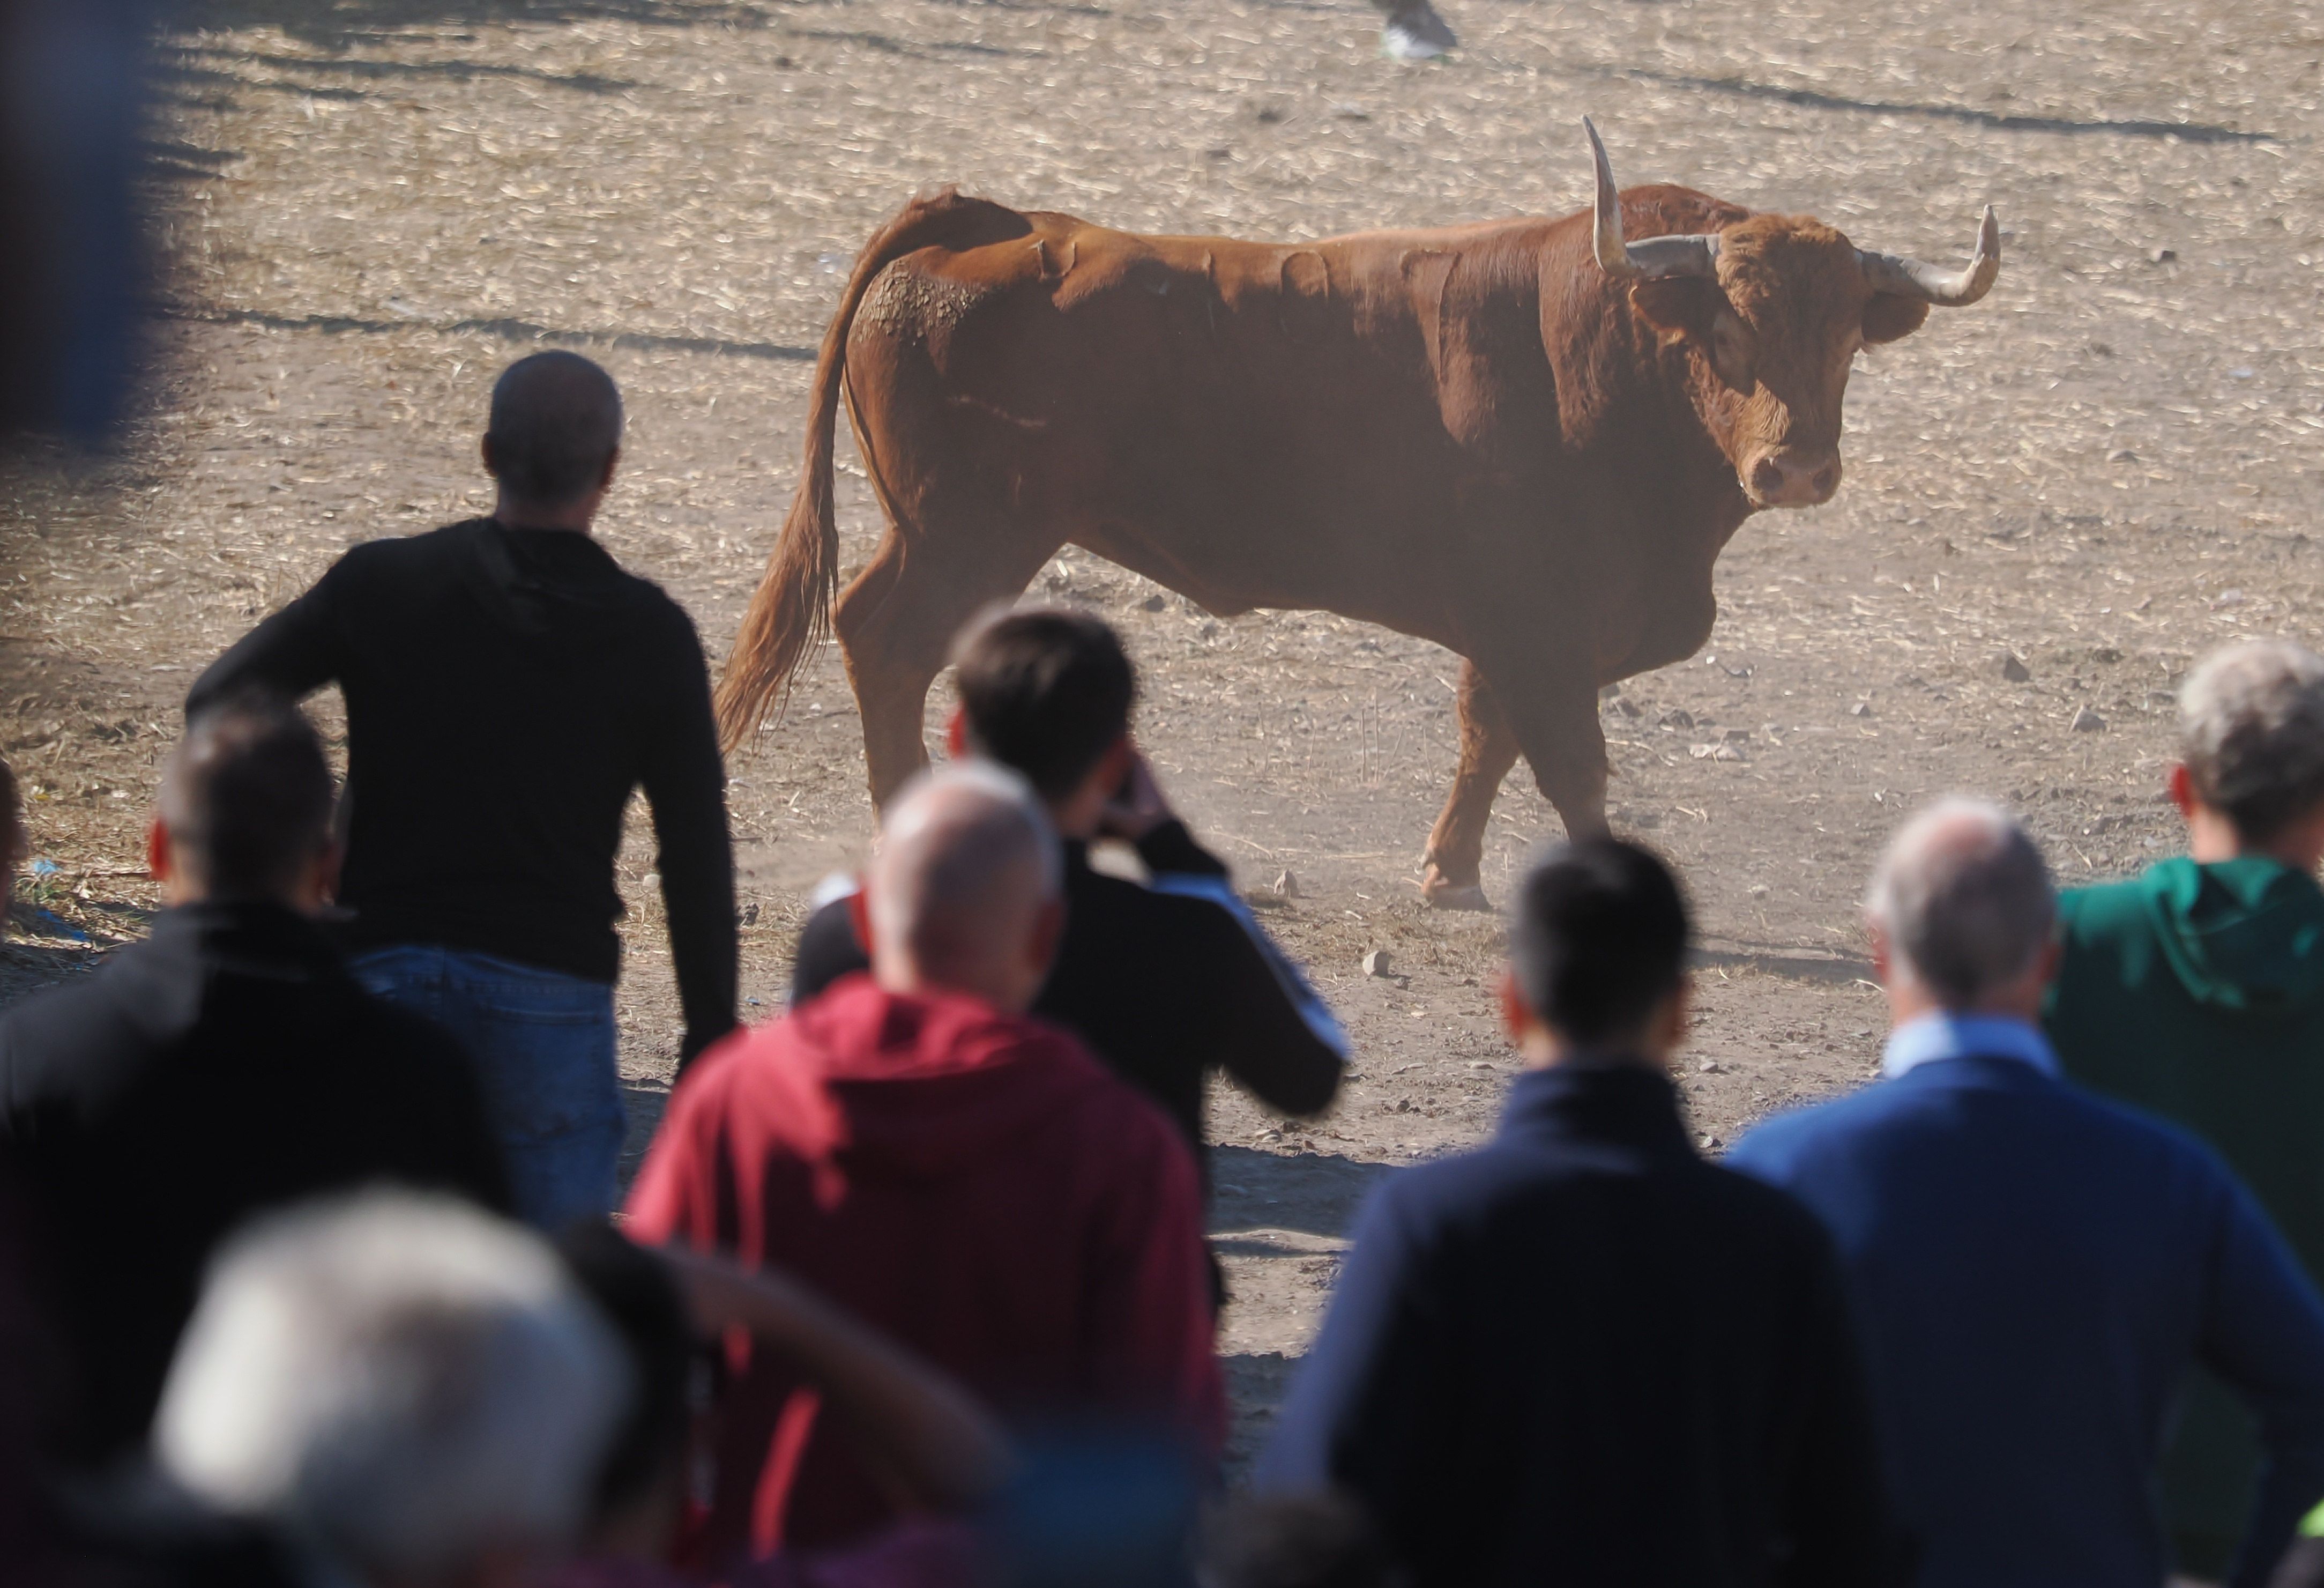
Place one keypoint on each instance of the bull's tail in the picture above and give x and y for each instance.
(790, 613)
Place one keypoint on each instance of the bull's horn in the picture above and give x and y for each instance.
(1947, 289)
(1650, 258)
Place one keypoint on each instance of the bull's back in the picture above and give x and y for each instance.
(1240, 420)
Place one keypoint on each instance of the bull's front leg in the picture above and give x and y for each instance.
(1562, 742)
(1452, 870)
(1553, 711)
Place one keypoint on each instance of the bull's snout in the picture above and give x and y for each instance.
(1794, 476)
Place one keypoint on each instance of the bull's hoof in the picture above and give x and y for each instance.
(1441, 892)
(1416, 33)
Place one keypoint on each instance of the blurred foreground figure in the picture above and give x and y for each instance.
(937, 1450)
(507, 686)
(72, 77)
(965, 1179)
(2035, 1269)
(407, 1392)
(2197, 992)
(227, 1064)
(1581, 1353)
(1310, 1540)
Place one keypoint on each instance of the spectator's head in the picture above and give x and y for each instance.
(1598, 954)
(2251, 734)
(554, 435)
(1962, 913)
(412, 1390)
(639, 1498)
(965, 894)
(1047, 693)
(245, 811)
(1316, 1541)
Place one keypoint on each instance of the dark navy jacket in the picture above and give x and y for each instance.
(2035, 1270)
(1583, 1355)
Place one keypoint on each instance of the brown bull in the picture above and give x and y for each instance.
(1525, 440)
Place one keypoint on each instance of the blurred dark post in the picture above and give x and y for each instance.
(72, 276)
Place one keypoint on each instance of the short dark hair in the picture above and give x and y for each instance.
(1046, 692)
(1319, 1539)
(639, 1296)
(246, 796)
(556, 420)
(1599, 938)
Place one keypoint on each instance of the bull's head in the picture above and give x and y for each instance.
(1777, 305)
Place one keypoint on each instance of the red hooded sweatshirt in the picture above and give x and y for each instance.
(971, 1182)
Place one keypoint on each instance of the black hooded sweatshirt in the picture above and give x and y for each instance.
(506, 690)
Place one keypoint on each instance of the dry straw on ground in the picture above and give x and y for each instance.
(2106, 468)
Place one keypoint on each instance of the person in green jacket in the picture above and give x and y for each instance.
(2196, 990)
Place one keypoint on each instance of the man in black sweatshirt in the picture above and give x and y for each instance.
(508, 685)
(1578, 1353)
(1165, 984)
(226, 1065)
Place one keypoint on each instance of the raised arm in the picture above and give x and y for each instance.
(1276, 1037)
(292, 653)
(1140, 815)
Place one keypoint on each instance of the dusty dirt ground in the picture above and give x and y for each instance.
(366, 207)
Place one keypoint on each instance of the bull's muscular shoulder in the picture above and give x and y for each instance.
(1473, 295)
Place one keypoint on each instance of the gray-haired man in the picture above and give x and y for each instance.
(2035, 1269)
(2197, 991)
(407, 1392)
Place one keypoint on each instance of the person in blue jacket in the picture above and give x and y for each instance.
(2035, 1269)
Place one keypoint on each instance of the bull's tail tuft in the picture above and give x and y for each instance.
(789, 616)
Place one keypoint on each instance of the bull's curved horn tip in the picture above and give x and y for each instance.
(1606, 211)
(1604, 167)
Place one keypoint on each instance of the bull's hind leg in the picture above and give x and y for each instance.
(895, 626)
(1454, 874)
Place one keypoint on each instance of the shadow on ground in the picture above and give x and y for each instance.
(27, 967)
(506, 329)
(1967, 116)
(644, 1102)
(1834, 969)
(1257, 1384)
(338, 23)
(1315, 1193)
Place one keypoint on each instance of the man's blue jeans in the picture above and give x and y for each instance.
(543, 1044)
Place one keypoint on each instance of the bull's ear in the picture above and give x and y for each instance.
(1890, 315)
(1691, 309)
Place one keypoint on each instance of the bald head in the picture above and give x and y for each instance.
(1963, 900)
(966, 892)
(556, 425)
